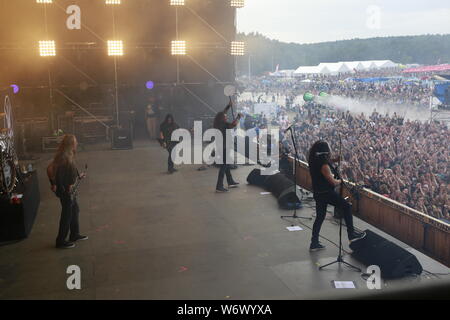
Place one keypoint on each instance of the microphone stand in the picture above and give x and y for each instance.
(339, 258)
(295, 216)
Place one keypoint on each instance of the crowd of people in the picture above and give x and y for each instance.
(407, 161)
(403, 160)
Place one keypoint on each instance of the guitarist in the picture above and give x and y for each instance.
(165, 139)
(63, 175)
(324, 183)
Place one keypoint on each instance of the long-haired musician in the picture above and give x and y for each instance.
(221, 123)
(165, 137)
(63, 174)
(324, 183)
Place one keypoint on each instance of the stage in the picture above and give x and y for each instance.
(159, 236)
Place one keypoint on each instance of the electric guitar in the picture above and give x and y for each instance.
(74, 191)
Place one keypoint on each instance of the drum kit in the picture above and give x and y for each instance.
(9, 163)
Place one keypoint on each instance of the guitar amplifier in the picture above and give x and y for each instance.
(121, 139)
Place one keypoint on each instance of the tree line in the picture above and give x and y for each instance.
(263, 54)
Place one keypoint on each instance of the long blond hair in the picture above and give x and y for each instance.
(66, 151)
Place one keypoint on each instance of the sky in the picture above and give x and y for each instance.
(312, 21)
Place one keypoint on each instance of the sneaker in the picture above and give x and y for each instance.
(234, 184)
(221, 190)
(65, 245)
(78, 238)
(316, 247)
(356, 235)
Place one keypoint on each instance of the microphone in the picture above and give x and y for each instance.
(289, 128)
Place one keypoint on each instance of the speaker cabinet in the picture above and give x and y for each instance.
(121, 139)
(394, 261)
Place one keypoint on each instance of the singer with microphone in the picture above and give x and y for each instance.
(324, 183)
(221, 123)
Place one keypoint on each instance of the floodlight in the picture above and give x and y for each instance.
(112, 1)
(177, 2)
(238, 3)
(115, 48)
(178, 47)
(47, 48)
(237, 48)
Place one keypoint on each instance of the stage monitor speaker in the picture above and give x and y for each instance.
(121, 139)
(255, 178)
(279, 185)
(394, 261)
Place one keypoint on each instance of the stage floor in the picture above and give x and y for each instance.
(159, 236)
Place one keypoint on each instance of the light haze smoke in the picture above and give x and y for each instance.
(368, 106)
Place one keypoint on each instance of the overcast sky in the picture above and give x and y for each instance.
(309, 21)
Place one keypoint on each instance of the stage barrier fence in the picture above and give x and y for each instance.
(420, 231)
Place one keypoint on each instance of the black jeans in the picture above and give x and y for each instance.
(69, 219)
(170, 164)
(224, 170)
(322, 201)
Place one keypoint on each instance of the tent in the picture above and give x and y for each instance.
(442, 92)
(438, 68)
(334, 68)
(369, 65)
(383, 64)
(307, 70)
(354, 65)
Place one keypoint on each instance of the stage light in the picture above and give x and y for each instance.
(237, 48)
(44, 1)
(178, 47)
(238, 3)
(149, 85)
(115, 48)
(16, 88)
(112, 1)
(47, 48)
(177, 2)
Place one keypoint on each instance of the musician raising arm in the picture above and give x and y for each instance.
(221, 123)
(65, 175)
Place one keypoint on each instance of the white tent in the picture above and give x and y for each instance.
(369, 65)
(334, 68)
(355, 65)
(307, 70)
(382, 64)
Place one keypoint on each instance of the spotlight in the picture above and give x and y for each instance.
(47, 48)
(178, 47)
(238, 3)
(177, 2)
(149, 85)
(237, 48)
(16, 88)
(115, 48)
(112, 1)
(44, 1)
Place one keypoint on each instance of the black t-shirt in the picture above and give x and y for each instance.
(319, 183)
(223, 129)
(66, 175)
(167, 130)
